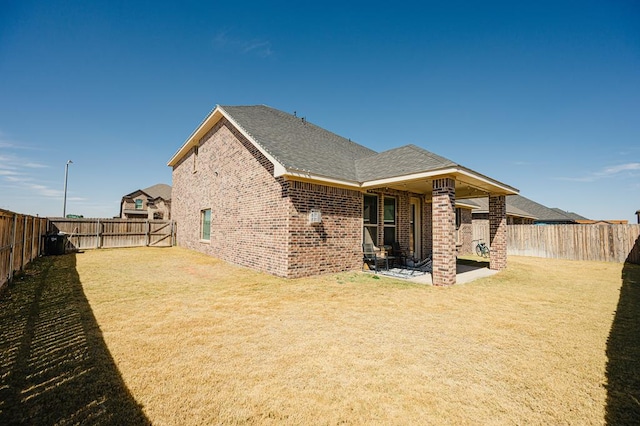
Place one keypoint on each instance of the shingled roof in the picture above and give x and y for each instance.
(160, 190)
(572, 215)
(401, 161)
(483, 207)
(299, 148)
(540, 212)
(298, 144)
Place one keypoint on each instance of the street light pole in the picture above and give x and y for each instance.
(66, 175)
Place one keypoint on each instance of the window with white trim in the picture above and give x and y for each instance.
(389, 221)
(205, 224)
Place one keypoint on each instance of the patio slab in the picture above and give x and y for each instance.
(464, 274)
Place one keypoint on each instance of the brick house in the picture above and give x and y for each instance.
(149, 203)
(523, 211)
(515, 216)
(261, 188)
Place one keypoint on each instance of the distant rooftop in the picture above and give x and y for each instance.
(160, 190)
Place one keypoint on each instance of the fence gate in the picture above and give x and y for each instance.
(114, 233)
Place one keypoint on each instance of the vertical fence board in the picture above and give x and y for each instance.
(20, 243)
(113, 233)
(608, 243)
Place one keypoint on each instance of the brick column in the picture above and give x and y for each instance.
(444, 231)
(498, 232)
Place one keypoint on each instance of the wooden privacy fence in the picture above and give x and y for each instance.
(114, 233)
(20, 242)
(608, 243)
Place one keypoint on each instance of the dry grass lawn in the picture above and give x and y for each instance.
(194, 340)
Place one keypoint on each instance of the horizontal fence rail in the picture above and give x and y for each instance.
(607, 243)
(20, 242)
(114, 233)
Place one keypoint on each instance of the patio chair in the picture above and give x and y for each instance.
(398, 253)
(370, 256)
(425, 265)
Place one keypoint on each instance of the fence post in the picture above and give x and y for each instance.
(12, 246)
(98, 233)
(148, 233)
(33, 232)
(46, 227)
(24, 242)
(38, 251)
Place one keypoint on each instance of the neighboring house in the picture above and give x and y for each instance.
(542, 214)
(574, 216)
(603, 222)
(523, 211)
(515, 216)
(268, 190)
(638, 216)
(149, 203)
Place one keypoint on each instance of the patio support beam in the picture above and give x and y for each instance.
(444, 231)
(498, 232)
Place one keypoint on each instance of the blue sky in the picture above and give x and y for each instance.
(541, 95)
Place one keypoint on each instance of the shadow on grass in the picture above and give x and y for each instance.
(55, 367)
(623, 352)
(474, 263)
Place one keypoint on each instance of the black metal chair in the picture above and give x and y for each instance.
(370, 256)
(398, 253)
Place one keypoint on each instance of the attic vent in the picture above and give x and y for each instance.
(315, 217)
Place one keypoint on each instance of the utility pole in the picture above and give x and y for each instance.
(66, 176)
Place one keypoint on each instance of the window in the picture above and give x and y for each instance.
(205, 224)
(389, 221)
(370, 219)
(138, 204)
(195, 158)
(458, 217)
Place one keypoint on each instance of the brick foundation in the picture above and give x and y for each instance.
(444, 231)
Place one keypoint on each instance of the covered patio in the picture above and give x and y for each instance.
(427, 193)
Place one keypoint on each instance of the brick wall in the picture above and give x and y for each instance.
(249, 208)
(465, 232)
(427, 228)
(260, 221)
(334, 244)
